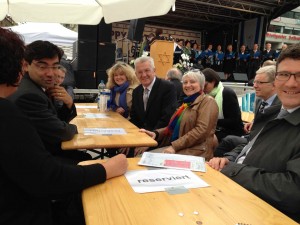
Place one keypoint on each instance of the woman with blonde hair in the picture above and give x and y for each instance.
(121, 81)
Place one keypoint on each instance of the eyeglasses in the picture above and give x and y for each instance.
(44, 68)
(285, 76)
(260, 82)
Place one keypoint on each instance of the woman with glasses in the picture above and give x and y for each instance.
(192, 127)
(121, 81)
(229, 118)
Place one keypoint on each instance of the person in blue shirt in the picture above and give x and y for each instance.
(218, 59)
(208, 56)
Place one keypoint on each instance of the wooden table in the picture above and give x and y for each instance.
(132, 138)
(224, 203)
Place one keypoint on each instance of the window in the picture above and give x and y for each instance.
(296, 31)
(274, 28)
(297, 15)
(288, 30)
(289, 14)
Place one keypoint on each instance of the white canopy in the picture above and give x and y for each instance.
(82, 11)
(53, 32)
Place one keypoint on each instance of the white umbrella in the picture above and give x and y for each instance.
(82, 11)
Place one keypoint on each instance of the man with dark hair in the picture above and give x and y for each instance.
(269, 166)
(30, 175)
(35, 98)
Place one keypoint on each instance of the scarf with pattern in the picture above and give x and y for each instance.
(174, 124)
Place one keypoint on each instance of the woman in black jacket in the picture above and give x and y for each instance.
(229, 120)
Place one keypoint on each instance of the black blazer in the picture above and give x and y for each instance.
(52, 126)
(160, 107)
(232, 122)
(261, 119)
(179, 91)
(30, 176)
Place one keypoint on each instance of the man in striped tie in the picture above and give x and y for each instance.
(270, 167)
(267, 107)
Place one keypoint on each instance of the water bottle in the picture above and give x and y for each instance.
(101, 86)
(101, 97)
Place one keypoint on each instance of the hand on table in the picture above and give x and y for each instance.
(169, 150)
(218, 163)
(140, 150)
(150, 133)
(115, 166)
(120, 110)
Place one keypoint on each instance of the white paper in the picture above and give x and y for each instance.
(86, 106)
(143, 181)
(95, 115)
(104, 131)
(185, 162)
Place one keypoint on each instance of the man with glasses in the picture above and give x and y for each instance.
(35, 97)
(269, 166)
(267, 107)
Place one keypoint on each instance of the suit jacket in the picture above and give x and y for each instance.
(31, 176)
(197, 128)
(261, 119)
(232, 123)
(160, 107)
(52, 127)
(271, 169)
(268, 55)
(179, 91)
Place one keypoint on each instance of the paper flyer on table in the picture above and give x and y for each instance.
(95, 115)
(143, 181)
(185, 162)
(104, 131)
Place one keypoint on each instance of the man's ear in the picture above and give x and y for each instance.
(25, 65)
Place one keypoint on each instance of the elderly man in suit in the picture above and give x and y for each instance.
(267, 107)
(269, 166)
(153, 101)
(35, 97)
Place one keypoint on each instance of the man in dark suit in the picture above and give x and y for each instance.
(254, 61)
(153, 101)
(269, 166)
(268, 53)
(35, 97)
(267, 107)
(30, 175)
(174, 75)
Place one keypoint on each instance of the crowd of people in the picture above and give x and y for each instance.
(246, 59)
(191, 114)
